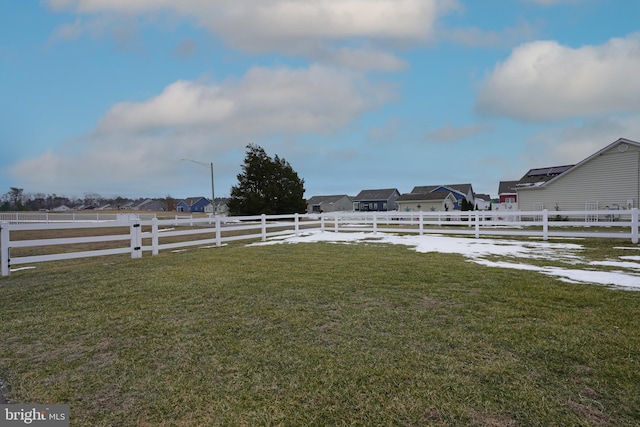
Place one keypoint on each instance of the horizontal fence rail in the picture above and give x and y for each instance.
(52, 217)
(133, 235)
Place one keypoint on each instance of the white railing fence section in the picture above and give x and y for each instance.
(52, 217)
(218, 230)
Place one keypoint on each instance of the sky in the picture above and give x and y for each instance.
(625, 273)
(107, 96)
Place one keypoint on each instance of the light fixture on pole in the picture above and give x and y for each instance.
(207, 165)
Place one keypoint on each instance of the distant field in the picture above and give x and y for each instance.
(318, 334)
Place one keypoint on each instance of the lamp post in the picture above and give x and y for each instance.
(207, 165)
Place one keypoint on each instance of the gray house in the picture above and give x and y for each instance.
(608, 179)
(151, 205)
(319, 204)
(376, 200)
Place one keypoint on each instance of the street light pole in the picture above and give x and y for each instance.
(207, 165)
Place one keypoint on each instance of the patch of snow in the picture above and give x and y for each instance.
(477, 250)
(21, 268)
(620, 264)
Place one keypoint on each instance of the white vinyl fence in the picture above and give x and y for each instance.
(138, 236)
(52, 217)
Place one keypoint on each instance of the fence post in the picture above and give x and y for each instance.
(545, 224)
(263, 219)
(218, 232)
(4, 248)
(375, 223)
(335, 222)
(634, 225)
(154, 237)
(421, 222)
(322, 222)
(136, 240)
(296, 224)
(477, 225)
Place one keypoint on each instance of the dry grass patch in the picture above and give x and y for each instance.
(318, 334)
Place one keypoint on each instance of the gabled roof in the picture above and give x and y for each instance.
(485, 197)
(190, 201)
(542, 183)
(423, 197)
(507, 187)
(460, 188)
(382, 194)
(316, 200)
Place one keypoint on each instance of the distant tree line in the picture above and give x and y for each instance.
(17, 200)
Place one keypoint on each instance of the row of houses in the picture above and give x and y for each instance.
(138, 205)
(422, 198)
(608, 179)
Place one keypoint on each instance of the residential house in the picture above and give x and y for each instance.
(151, 205)
(221, 206)
(459, 191)
(194, 204)
(608, 179)
(376, 200)
(319, 204)
(483, 202)
(507, 196)
(426, 202)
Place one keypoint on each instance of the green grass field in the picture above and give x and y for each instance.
(318, 334)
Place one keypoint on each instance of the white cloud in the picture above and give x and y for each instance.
(544, 81)
(319, 29)
(282, 100)
(362, 59)
(138, 143)
(286, 19)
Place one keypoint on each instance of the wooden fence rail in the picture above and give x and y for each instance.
(155, 234)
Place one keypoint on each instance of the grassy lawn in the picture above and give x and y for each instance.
(318, 334)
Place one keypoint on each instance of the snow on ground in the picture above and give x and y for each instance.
(477, 250)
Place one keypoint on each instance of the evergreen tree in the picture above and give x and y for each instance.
(266, 185)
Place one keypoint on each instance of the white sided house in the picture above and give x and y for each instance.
(336, 203)
(609, 179)
(426, 202)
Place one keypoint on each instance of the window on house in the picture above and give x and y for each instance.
(510, 200)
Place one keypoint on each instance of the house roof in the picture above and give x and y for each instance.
(381, 194)
(507, 187)
(317, 200)
(485, 197)
(423, 197)
(538, 175)
(460, 188)
(190, 201)
(542, 183)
